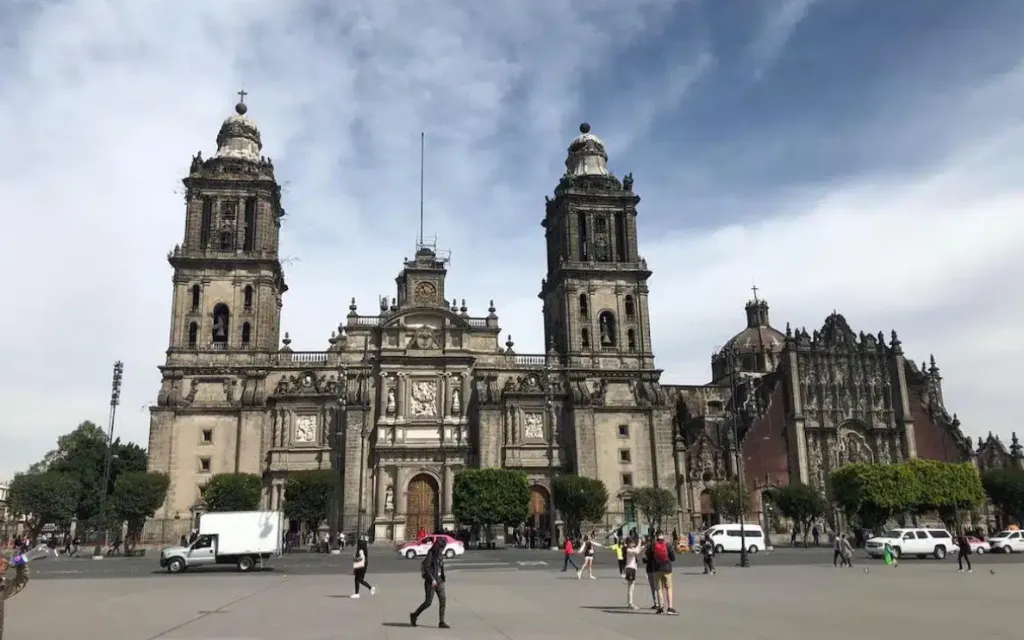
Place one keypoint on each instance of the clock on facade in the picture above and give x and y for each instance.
(425, 293)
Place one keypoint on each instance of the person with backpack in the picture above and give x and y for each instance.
(432, 572)
(568, 557)
(588, 558)
(359, 566)
(707, 550)
(663, 555)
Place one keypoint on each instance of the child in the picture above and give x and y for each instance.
(890, 556)
(619, 548)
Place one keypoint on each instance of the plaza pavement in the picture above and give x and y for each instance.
(783, 602)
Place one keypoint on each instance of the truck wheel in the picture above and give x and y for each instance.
(752, 549)
(940, 552)
(245, 563)
(1007, 549)
(176, 565)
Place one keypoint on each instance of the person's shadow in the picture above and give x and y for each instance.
(395, 624)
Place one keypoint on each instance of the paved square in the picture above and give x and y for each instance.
(929, 600)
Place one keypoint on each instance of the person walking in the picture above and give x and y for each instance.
(837, 550)
(648, 556)
(359, 565)
(707, 550)
(889, 555)
(568, 557)
(846, 549)
(432, 571)
(633, 551)
(965, 554)
(664, 555)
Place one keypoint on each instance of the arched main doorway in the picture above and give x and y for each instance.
(421, 506)
(540, 516)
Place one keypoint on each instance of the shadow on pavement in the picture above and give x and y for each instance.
(395, 624)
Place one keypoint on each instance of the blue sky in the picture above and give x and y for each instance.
(843, 154)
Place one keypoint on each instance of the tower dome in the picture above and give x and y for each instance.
(587, 155)
(238, 137)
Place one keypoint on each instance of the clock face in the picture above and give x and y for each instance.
(426, 293)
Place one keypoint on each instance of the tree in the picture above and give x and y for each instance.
(800, 503)
(946, 488)
(580, 500)
(655, 504)
(307, 496)
(44, 498)
(730, 499)
(874, 492)
(233, 492)
(82, 454)
(485, 497)
(1005, 487)
(137, 495)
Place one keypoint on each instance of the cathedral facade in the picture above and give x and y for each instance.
(417, 389)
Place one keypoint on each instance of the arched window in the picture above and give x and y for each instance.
(195, 297)
(630, 307)
(193, 334)
(221, 324)
(246, 333)
(608, 329)
(584, 307)
(631, 339)
(585, 336)
(248, 298)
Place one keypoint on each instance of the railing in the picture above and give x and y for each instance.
(310, 357)
(364, 321)
(477, 323)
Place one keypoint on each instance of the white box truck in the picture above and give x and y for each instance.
(242, 538)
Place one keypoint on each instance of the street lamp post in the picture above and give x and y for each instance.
(115, 400)
(552, 424)
(751, 410)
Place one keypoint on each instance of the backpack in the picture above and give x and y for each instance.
(661, 552)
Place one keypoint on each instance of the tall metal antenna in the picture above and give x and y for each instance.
(421, 188)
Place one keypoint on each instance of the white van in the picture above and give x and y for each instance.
(726, 537)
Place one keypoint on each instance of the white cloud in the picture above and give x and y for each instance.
(781, 20)
(103, 104)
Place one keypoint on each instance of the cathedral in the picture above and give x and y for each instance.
(417, 389)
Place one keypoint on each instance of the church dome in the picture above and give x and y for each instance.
(587, 155)
(759, 334)
(238, 137)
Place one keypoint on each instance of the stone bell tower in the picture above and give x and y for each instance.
(595, 292)
(228, 279)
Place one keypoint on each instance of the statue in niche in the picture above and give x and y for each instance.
(456, 402)
(392, 405)
(606, 331)
(389, 499)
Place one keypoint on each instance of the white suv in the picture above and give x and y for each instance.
(1007, 542)
(912, 542)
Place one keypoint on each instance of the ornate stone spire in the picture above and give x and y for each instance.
(238, 137)
(587, 155)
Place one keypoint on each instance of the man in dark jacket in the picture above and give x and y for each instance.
(432, 570)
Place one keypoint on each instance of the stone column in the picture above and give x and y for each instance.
(466, 391)
(403, 383)
(443, 385)
(382, 483)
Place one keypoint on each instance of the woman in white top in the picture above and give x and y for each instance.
(633, 551)
(588, 558)
(359, 567)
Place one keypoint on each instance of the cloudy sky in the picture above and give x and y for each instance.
(843, 154)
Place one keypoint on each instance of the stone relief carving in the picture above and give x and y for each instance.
(853, 447)
(424, 398)
(884, 454)
(424, 338)
(306, 384)
(533, 426)
(391, 404)
(389, 499)
(816, 460)
(305, 429)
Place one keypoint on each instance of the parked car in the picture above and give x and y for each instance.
(912, 542)
(729, 537)
(978, 545)
(1007, 542)
(412, 549)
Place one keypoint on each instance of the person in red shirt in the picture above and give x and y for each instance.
(568, 557)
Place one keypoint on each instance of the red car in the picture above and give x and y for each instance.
(420, 547)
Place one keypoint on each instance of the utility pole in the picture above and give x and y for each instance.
(336, 525)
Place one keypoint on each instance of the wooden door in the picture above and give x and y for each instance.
(421, 510)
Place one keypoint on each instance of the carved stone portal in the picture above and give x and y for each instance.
(305, 429)
(424, 399)
(853, 447)
(534, 426)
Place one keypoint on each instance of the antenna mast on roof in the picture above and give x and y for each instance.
(421, 188)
